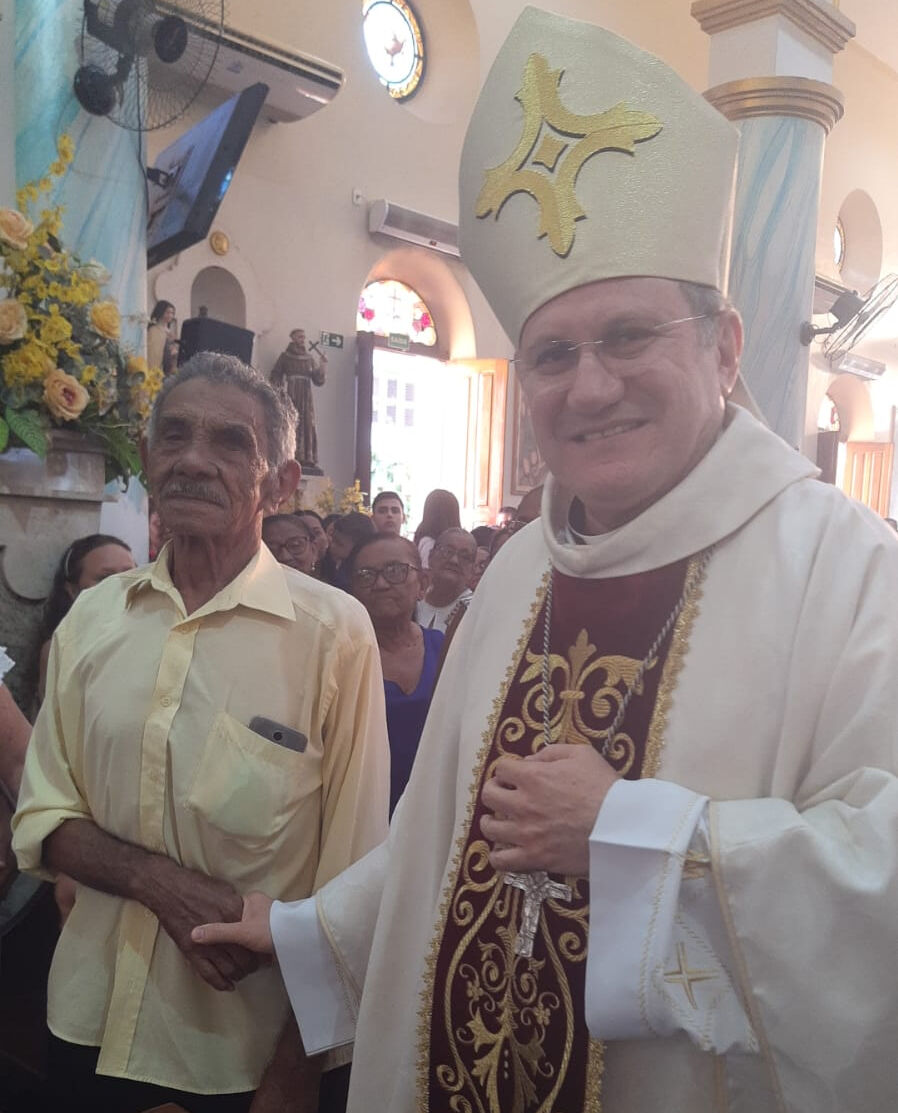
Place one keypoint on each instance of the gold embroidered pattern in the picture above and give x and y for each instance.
(684, 976)
(572, 140)
(427, 991)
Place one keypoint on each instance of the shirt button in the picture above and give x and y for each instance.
(165, 701)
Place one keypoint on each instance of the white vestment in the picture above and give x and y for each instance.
(784, 714)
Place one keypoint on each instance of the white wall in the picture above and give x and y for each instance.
(294, 227)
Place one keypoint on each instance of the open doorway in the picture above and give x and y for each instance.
(422, 420)
(419, 425)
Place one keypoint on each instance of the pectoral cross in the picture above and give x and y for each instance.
(536, 888)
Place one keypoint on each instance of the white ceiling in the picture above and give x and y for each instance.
(877, 27)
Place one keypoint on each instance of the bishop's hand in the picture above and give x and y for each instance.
(544, 809)
(251, 931)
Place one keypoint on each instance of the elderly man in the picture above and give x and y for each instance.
(451, 564)
(213, 722)
(645, 860)
(388, 512)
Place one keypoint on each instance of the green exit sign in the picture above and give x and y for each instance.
(399, 341)
(332, 339)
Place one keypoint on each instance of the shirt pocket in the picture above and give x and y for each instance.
(247, 786)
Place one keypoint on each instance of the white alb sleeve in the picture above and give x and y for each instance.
(317, 994)
(659, 960)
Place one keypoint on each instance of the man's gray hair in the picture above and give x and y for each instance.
(705, 300)
(216, 367)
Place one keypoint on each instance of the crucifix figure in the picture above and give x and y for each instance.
(536, 888)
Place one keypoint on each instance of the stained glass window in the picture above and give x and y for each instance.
(389, 308)
(395, 45)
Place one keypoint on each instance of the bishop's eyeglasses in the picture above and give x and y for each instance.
(619, 350)
(393, 572)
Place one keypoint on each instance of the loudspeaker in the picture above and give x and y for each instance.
(205, 334)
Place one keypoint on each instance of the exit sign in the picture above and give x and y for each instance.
(332, 339)
(398, 341)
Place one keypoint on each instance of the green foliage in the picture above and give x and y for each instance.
(26, 426)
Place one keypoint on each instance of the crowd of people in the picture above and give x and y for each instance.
(638, 852)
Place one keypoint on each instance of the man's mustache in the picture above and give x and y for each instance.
(187, 488)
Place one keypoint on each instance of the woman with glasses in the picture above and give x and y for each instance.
(385, 575)
(290, 541)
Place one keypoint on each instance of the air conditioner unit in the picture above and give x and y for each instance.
(413, 227)
(298, 84)
(864, 368)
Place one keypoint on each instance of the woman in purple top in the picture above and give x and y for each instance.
(385, 575)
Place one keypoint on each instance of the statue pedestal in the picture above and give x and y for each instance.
(44, 506)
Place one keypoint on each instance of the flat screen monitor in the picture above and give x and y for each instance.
(193, 175)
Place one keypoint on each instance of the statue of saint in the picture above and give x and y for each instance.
(295, 371)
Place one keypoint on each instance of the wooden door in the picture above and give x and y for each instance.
(485, 449)
(868, 474)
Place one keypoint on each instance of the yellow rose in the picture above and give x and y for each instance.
(13, 322)
(105, 319)
(137, 365)
(64, 395)
(15, 228)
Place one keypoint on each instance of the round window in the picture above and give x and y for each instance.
(395, 45)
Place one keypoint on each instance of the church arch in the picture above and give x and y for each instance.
(221, 294)
(173, 281)
(862, 259)
(433, 279)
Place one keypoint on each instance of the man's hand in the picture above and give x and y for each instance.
(545, 807)
(181, 899)
(252, 932)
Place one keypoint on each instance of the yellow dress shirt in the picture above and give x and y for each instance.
(145, 731)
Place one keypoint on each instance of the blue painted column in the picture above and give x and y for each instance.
(103, 191)
(771, 275)
(770, 69)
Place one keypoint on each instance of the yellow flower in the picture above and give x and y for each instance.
(136, 365)
(54, 329)
(13, 321)
(88, 374)
(105, 319)
(28, 364)
(15, 229)
(64, 396)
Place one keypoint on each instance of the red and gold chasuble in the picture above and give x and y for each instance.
(499, 1032)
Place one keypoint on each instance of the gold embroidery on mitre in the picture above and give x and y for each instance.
(618, 129)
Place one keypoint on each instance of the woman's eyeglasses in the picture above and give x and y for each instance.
(395, 572)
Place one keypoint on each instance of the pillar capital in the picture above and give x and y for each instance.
(819, 19)
(779, 96)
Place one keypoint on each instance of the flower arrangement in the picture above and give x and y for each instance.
(61, 361)
(352, 498)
